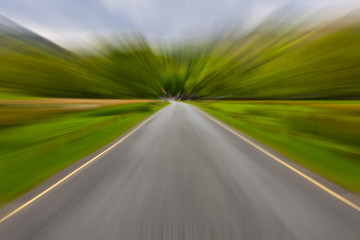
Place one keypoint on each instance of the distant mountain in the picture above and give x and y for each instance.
(12, 32)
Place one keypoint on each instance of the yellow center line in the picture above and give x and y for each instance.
(77, 170)
(313, 181)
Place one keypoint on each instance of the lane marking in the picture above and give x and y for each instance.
(78, 169)
(310, 179)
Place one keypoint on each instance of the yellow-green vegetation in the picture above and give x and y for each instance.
(272, 61)
(322, 136)
(32, 152)
(12, 96)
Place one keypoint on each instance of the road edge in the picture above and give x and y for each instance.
(325, 185)
(15, 206)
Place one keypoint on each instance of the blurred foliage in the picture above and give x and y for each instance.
(278, 59)
(321, 135)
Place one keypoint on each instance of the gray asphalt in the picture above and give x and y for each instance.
(181, 176)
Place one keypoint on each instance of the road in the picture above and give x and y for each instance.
(182, 176)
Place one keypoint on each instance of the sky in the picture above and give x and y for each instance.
(76, 22)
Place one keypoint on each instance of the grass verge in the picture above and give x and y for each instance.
(31, 153)
(322, 136)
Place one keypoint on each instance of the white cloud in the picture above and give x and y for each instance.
(175, 18)
(164, 18)
(75, 20)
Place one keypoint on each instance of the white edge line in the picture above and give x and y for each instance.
(21, 207)
(307, 177)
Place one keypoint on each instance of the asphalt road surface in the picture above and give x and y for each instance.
(182, 176)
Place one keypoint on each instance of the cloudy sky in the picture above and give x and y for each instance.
(73, 21)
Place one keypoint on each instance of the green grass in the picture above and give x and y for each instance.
(14, 96)
(324, 137)
(31, 153)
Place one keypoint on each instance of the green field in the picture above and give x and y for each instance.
(322, 136)
(34, 151)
